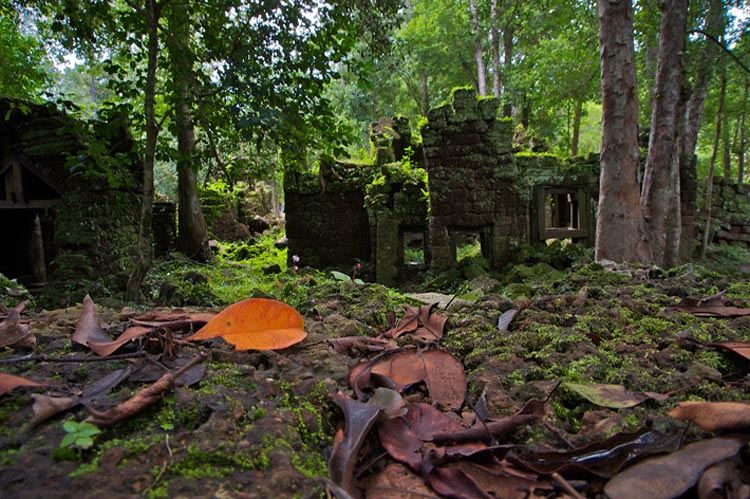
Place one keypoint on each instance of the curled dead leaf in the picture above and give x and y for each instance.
(359, 419)
(45, 407)
(14, 333)
(89, 326)
(106, 348)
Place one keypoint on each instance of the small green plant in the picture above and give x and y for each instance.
(340, 276)
(79, 435)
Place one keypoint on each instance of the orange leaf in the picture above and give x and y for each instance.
(256, 324)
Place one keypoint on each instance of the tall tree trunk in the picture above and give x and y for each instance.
(618, 234)
(192, 229)
(495, 38)
(726, 157)
(742, 147)
(144, 251)
(704, 66)
(424, 94)
(577, 115)
(481, 73)
(660, 194)
(712, 165)
(507, 67)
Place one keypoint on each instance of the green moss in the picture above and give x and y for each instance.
(218, 463)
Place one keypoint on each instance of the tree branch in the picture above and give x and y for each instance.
(723, 47)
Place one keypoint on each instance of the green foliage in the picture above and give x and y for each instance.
(79, 435)
(12, 292)
(24, 70)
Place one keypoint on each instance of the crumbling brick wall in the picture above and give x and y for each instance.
(730, 213)
(469, 160)
(326, 220)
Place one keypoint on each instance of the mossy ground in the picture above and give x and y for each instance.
(261, 424)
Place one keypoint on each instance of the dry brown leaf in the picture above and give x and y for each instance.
(9, 382)
(397, 481)
(502, 480)
(422, 321)
(714, 416)
(442, 372)
(741, 348)
(45, 407)
(359, 419)
(722, 480)
(14, 333)
(712, 306)
(614, 396)
(667, 477)
(453, 482)
(109, 347)
(174, 320)
(256, 324)
(89, 326)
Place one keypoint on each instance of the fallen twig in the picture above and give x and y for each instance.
(38, 357)
(142, 399)
(566, 485)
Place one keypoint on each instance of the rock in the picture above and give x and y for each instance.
(272, 269)
(439, 298)
(258, 225)
(281, 242)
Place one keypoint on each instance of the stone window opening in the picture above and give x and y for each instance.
(413, 247)
(560, 213)
(469, 243)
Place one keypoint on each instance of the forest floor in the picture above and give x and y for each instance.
(262, 424)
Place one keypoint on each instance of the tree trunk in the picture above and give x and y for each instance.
(481, 73)
(704, 66)
(578, 114)
(495, 38)
(424, 94)
(192, 229)
(660, 194)
(508, 67)
(704, 73)
(144, 252)
(725, 156)
(743, 137)
(712, 164)
(618, 234)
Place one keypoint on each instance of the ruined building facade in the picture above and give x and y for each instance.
(418, 205)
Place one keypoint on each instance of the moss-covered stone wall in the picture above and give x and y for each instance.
(327, 223)
(730, 213)
(472, 172)
(87, 197)
(541, 177)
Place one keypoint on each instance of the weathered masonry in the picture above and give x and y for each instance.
(423, 204)
(67, 216)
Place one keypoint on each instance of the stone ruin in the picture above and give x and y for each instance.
(65, 221)
(420, 205)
